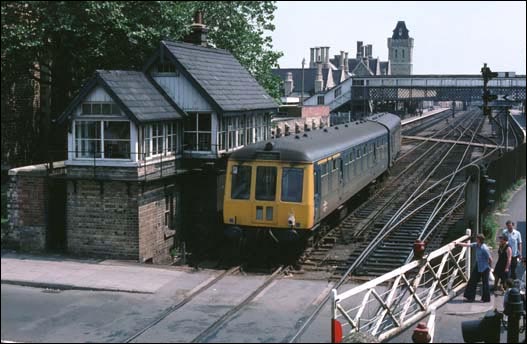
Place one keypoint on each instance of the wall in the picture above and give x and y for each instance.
(102, 219)
(157, 236)
(26, 207)
(400, 65)
(182, 92)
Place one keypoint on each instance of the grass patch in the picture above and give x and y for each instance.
(506, 196)
(489, 223)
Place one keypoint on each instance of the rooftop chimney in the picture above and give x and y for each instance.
(319, 82)
(322, 55)
(199, 31)
(369, 51)
(346, 63)
(360, 52)
(317, 55)
(312, 60)
(288, 84)
(342, 66)
(326, 58)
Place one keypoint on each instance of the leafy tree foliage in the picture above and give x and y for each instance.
(61, 43)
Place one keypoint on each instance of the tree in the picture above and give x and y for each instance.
(60, 44)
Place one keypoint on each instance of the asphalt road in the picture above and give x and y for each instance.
(40, 315)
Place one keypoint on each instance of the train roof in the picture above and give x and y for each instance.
(314, 145)
(390, 120)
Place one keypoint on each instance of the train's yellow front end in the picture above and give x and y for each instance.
(266, 194)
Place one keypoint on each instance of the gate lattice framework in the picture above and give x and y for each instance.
(389, 304)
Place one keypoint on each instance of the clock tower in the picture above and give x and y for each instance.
(400, 50)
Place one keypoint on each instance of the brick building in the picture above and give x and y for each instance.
(146, 152)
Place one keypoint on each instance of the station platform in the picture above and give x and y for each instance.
(423, 116)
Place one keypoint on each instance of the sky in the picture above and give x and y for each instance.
(449, 37)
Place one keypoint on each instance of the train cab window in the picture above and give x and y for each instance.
(241, 182)
(266, 185)
(292, 184)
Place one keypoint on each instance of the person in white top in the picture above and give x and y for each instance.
(515, 241)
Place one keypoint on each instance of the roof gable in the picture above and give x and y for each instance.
(362, 70)
(139, 98)
(219, 77)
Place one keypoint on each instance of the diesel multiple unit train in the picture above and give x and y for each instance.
(287, 186)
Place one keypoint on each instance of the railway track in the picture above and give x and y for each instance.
(356, 234)
(208, 331)
(391, 229)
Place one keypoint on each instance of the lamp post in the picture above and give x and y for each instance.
(302, 94)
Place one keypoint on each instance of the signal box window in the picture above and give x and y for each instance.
(292, 184)
(266, 186)
(241, 182)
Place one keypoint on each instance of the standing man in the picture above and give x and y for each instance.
(481, 270)
(515, 242)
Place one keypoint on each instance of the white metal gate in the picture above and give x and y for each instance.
(389, 304)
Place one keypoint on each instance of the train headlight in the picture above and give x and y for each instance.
(291, 220)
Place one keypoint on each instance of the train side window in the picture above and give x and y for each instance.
(334, 164)
(323, 169)
(241, 182)
(316, 183)
(266, 186)
(292, 184)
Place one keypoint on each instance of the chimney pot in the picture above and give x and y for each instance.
(326, 58)
(288, 84)
(199, 31)
(360, 50)
(319, 82)
(198, 17)
(369, 51)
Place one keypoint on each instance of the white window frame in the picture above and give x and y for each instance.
(197, 132)
(101, 139)
(148, 138)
